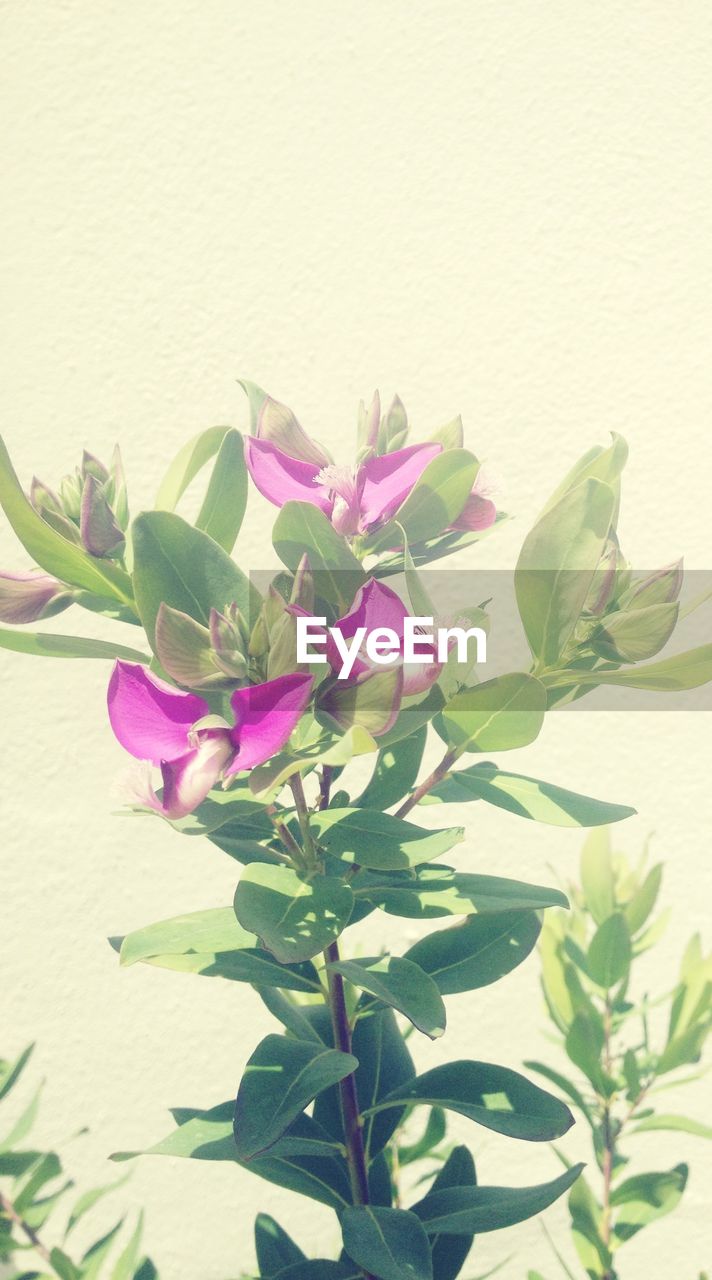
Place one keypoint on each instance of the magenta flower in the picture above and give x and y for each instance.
(356, 499)
(376, 606)
(26, 597)
(174, 730)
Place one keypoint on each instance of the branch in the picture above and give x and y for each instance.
(8, 1208)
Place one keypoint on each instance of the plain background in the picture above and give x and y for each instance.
(498, 209)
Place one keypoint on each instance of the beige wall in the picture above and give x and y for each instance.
(500, 209)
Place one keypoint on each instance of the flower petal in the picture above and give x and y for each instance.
(277, 424)
(280, 478)
(374, 605)
(388, 480)
(265, 715)
(187, 780)
(477, 513)
(25, 597)
(150, 718)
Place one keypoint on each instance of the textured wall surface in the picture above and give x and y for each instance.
(494, 209)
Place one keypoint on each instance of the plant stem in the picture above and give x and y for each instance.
(336, 1000)
(8, 1209)
(608, 1140)
(439, 772)
(297, 789)
(353, 1130)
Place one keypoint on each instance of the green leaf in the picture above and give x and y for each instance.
(682, 671)
(303, 529)
(63, 1266)
(527, 797)
(492, 1096)
(478, 952)
(186, 465)
(414, 713)
(182, 567)
(294, 918)
(45, 645)
(433, 1134)
(426, 553)
(597, 876)
(584, 1045)
(564, 1084)
(224, 504)
(213, 943)
(556, 566)
(235, 812)
(87, 1201)
(10, 1072)
(23, 1125)
(379, 840)
(301, 1160)
(638, 909)
(395, 772)
(56, 555)
(450, 1252)
(597, 464)
(432, 891)
(281, 1078)
(286, 1010)
(498, 715)
(609, 954)
(274, 1248)
(644, 1198)
(267, 780)
(434, 502)
(677, 1124)
(127, 1262)
(470, 1210)
(403, 985)
(388, 1243)
(320, 1269)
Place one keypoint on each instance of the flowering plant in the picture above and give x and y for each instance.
(256, 748)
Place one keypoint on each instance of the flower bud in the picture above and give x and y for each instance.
(605, 582)
(635, 634)
(100, 532)
(303, 591)
(90, 509)
(199, 657)
(661, 587)
(228, 639)
(27, 597)
(393, 431)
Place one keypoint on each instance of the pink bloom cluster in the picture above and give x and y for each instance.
(357, 500)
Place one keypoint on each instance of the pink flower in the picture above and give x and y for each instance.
(376, 606)
(163, 725)
(26, 597)
(356, 499)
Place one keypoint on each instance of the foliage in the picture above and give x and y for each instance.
(626, 1049)
(258, 762)
(34, 1190)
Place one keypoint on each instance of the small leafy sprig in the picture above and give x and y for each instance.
(34, 1187)
(627, 1048)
